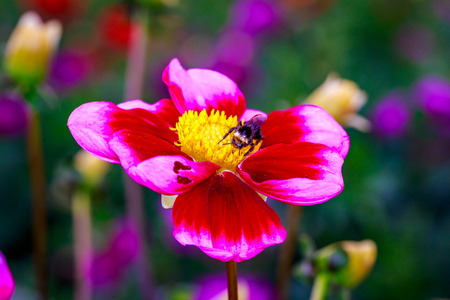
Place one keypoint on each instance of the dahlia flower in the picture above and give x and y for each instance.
(217, 190)
(7, 284)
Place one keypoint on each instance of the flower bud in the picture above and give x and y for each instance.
(30, 47)
(342, 99)
(305, 271)
(91, 168)
(351, 270)
(6, 280)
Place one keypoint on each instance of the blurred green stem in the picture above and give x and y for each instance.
(287, 251)
(81, 214)
(232, 280)
(320, 287)
(39, 206)
(345, 294)
(133, 191)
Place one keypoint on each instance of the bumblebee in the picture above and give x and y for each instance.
(247, 133)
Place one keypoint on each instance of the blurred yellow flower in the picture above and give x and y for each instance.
(361, 257)
(30, 48)
(91, 168)
(343, 99)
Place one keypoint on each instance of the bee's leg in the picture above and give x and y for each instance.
(250, 150)
(229, 131)
(240, 146)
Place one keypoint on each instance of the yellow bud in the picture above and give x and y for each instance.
(342, 99)
(361, 259)
(30, 48)
(362, 256)
(90, 167)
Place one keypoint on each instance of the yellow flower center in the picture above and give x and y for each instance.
(200, 135)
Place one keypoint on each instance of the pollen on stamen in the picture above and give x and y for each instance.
(200, 135)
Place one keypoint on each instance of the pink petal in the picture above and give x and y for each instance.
(250, 113)
(164, 108)
(305, 123)
(198, 89)
(157, 164)
(226, 219)
(6, 280)
(301, 173)
(92, 124)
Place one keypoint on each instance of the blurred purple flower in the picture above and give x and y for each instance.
(414, 42)
(104, 270)
(109, 265)
(6, 280)
(255, 16)
(69, 69)
(215, 287)
(13, 114)
(236, 47)
(125, 244)
(442, 9)
(234, 55)
(433, 93)
(391, 116)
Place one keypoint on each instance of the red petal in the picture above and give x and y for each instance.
(158, 164)
(92, 124)
(165, 109)
(226, 219)
(305, 123)
(301, 173)
(198, 89)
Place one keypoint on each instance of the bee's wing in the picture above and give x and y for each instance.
(259, 119)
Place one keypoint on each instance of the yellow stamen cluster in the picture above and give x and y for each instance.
(199, 136)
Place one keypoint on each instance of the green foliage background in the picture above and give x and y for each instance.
(397, 191)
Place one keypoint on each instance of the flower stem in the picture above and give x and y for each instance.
(232, 280)
(39, 207)
(133, 191)
(320, 287)
(345, 294)
(287, 251)
(81, 214)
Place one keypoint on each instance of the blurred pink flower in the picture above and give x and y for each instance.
(298, 162)
(391, 116)
(414, 42)
(69, 69)
(442, 9)
(433, 93)
(255, 16)
(6, 280)
(249, 288)
(109, 265)
(234, 55)
(13, 114)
